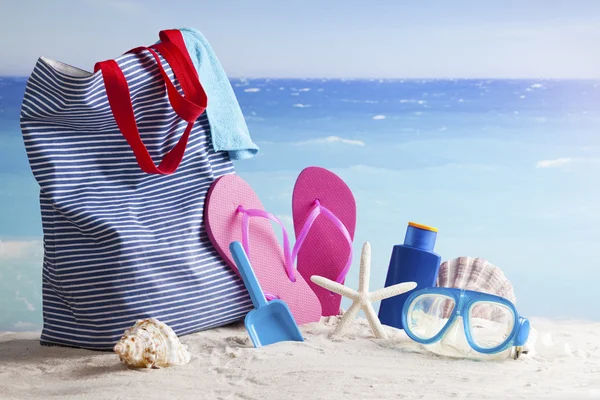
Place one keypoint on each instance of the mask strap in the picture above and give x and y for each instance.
(526, 338)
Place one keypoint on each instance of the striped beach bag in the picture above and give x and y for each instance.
(124, 160)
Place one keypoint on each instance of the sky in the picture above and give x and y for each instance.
(315, 38)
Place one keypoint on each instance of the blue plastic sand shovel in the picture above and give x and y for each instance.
(270, 322)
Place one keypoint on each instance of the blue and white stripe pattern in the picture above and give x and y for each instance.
(121, 244)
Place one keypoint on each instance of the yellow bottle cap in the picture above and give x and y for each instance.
(420, 226)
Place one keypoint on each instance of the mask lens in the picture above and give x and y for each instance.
(491, 324)
(428, 314)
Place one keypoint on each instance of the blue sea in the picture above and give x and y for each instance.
(507, 170)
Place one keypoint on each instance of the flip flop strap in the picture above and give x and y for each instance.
(317, 210)
(289, 266)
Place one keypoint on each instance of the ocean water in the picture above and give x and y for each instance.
(506, 170)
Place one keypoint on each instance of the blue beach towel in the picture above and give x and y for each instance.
(228, 127)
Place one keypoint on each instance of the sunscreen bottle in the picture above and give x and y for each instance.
(413, 261)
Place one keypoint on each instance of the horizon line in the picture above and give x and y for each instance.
(361, 78)
(421, 78)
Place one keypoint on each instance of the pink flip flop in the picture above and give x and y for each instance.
(230, 206)
(324, 212)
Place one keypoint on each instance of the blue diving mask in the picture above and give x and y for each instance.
(491, 327)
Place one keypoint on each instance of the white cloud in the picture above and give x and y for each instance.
(118, 5)
(283, 195)
(553, 163)
(19, 249)
(372, 170)
(25, 326)
(378, 117)
(367, 169)
(332, 139)
(288, 223)
(300, 105)
(252, 90)
(29, 306)
(287, 220)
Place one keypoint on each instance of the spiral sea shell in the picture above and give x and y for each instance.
(151, 344)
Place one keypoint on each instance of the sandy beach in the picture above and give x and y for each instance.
(224, 365)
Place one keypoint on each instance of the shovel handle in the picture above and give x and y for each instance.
(248, 275)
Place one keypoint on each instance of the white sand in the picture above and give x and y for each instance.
(225, 366)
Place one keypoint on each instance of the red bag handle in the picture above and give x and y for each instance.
(188, 107)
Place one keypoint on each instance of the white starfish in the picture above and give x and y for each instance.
(362, 299)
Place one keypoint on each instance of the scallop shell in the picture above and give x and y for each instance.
(151, 344)
(478, 274)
